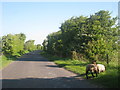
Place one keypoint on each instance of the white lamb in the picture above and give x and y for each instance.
(101, 68)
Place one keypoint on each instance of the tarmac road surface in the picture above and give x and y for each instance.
(34, 71)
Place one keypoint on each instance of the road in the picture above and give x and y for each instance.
(34, 71)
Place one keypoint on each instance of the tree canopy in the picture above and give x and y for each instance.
(15, 45)
(93, 36)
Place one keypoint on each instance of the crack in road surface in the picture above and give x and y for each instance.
(34, 71)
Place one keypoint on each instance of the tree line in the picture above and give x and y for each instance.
(94, 37)
(15, 45)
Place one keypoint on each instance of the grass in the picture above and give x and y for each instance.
(108, 79)
(4, 61)
(73, 65)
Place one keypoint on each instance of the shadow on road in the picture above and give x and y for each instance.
(32, 59)
(59, 82)
(54, 66)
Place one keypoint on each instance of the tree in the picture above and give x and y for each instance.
(93, 37)
(13, 45)
(29, 45)
(38, 46)
(101, 27)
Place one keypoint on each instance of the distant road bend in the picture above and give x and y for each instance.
(34, 71)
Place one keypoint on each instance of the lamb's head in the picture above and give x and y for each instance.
(95, 69)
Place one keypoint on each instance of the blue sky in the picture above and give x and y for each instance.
(38, 19)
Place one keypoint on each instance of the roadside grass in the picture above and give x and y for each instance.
(4, 61)
(107, 79)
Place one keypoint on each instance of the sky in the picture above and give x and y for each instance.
(38, 19)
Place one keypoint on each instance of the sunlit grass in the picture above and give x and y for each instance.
(4, 61)
(72, 65)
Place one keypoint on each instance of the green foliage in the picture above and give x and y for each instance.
(13, 44)
(29, 45)
(77, 56)
(45, 45)
(38, 47)
(74, 55)
(92, 37)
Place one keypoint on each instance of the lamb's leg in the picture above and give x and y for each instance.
(92, 74)
(96, 73)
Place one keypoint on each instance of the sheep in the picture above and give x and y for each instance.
(92, 68)
(101, 68)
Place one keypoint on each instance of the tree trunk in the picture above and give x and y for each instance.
(107, 59)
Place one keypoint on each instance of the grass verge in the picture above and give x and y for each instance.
(5, 61)
(108, 79)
